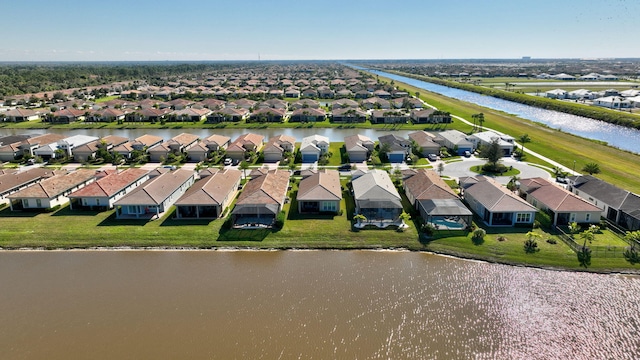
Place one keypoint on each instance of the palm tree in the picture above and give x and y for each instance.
(591, 168)
(524, 138)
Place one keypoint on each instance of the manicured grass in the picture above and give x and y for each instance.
(478, 170)
(511, 251)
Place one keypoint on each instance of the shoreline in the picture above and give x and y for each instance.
(297, 249)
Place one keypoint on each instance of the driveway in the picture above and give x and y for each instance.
(462, 168)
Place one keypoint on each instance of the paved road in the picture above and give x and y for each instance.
(462, 168)
(531, 152)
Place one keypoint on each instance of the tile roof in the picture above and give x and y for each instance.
(55, 185)
(323, 185)
(212, 189)
(555, 197)
(426, 184)
(157, 189)
(497, 198)
(270, 188)
(111, 184)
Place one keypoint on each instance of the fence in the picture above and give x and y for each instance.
(597, 250)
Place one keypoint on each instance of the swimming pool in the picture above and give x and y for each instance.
(448, 224)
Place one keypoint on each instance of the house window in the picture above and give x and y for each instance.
(38, 203)
(84, 202)
(97, 202)
(523, 217)
(25, 202)
(572, 217)
(328, 206)
(587, 217)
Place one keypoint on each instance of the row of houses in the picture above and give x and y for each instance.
(612, 98)
(139, 194)
(376, 110)
(82, 148)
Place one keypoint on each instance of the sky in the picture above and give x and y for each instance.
(143, 30)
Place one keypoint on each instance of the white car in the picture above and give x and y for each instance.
(228, 161)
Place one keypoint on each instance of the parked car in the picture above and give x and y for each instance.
(344, 167)
(432, 157)
(467, 153)
(228, 161)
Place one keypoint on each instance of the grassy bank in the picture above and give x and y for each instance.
(82, 229)
(618, 167)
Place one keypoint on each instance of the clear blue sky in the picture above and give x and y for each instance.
(45, 30)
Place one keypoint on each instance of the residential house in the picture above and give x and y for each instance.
(227, 114)
(110, 115)
(312, 147)
(52, 191)
(261, 200)
(425, 142)
(556, 94)
(153, 115)
(486, 138)
(344, 103)
(245, 143)
(563, 206)
(388, 117)
(456, 141)
(430, 116)
(613, 102)
(436, 202)
(177, 145)
(12, 182)
(395, 147)
(63, 147)
(191, 114)
(495, 204)
(25, 148)
(307, 115)
(210, 196)
(139, 144)
(305, 103)
(267, 114)
(276, 147)
(619, 206)
(348, 115)
(21, 115)
(376, 103)
(216, 142)
(105, 191)
(377, 199)
(67, 116)
(82, 153)
(358, 147)
(155, 196)
(320, 193)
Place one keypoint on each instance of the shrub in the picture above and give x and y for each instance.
(530, 246)
(479, 234)
(280, 220)
(552, 241)
(501, 238)
(52, 209)
(428, 229)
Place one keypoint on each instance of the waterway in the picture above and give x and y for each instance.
(614, 135)
(307, 304)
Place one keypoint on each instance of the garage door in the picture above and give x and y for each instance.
(396, 158)
(307, 158)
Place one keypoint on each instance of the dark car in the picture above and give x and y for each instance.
(344, 167)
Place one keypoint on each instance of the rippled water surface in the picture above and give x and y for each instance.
(315, 304)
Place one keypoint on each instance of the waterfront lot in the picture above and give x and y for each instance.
(84, 229)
